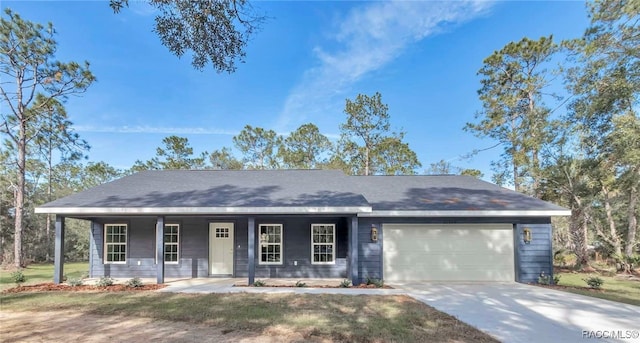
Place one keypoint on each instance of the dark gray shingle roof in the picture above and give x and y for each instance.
(443, 193)
(300, 188)
(213, 188)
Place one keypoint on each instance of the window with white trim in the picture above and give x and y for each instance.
(115, 243)
(171, 243)
(270, 237)
(323, 237)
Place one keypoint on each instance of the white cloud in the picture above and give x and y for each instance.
(367, 39)
(160, 130)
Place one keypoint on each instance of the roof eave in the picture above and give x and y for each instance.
(202, 210)
(467, 213)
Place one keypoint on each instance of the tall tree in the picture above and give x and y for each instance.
(176, 154)
(55, 135)
(443, 167)
(214, 31)
(567, 179)
(223, 159)
(305, 148)
(513, 81)
(259, 147)
(27, 53)
(472, 172)
(606, 87)
(368, 145)
(440, 168)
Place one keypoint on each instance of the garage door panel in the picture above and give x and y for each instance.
(461, 252)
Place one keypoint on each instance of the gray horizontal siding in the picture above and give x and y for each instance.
(534, 258)
(530, 260)
(296, 249)
(193, 248)
(369, 252)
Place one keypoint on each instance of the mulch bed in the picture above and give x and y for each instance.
(52, 287)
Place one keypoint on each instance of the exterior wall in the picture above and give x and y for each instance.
(530, 259)
(369, 252)
(536, 257)
(194, 248)
(296, 249)
(194, 245)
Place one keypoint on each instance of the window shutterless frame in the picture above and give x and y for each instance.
(171, 244)
(116, 241)
(270, 243)
(323, 243)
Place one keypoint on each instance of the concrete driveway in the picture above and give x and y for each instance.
(514, 312)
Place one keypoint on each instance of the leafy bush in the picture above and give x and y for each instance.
(346, 283)
(376, 282)
(559, 258)
(18, 277)
(301, 284)
(259, 283)
(75, 282)
(104, 281)
(556, 279)
(594, 282)
(544, 279)
(134, 283)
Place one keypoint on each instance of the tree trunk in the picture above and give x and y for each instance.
(366, 160)
(534, 174)
(49, 192)
(535, 161)
(615, 239)
(579, 237)
(633, 221)
(19, 202)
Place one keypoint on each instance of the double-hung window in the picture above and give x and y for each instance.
(171, 243)
(323, 238)
(115, 243)
(270, 236)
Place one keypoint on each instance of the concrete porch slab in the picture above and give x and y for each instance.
(228, 285)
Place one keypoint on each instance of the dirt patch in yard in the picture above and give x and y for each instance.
(52, 287)
(65, 326)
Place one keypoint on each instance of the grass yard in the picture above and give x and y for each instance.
(357, 318)
(39, 273)
(615, 289)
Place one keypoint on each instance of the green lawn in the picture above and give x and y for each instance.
(615, 289)
(317, 317)
(39, 273)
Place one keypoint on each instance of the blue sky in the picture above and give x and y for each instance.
(310, 56)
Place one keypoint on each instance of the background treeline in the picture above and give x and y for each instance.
(564, 113)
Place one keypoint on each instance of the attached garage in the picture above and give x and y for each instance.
(448, 252)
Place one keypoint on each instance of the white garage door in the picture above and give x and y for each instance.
(449, 252)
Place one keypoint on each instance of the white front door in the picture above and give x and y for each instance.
(221, 248)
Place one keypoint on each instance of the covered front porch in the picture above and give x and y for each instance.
(260, 247)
